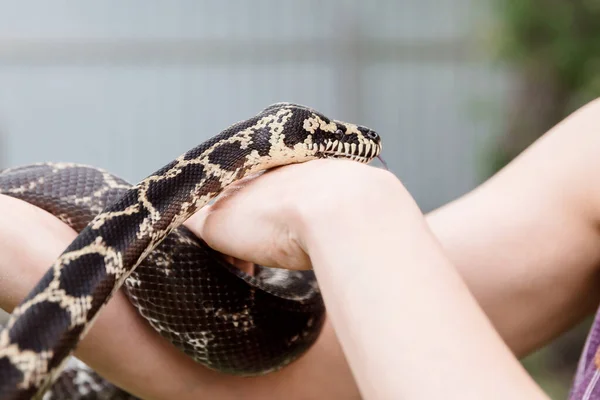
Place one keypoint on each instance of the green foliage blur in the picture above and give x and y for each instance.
(560, 36)
(553, 48)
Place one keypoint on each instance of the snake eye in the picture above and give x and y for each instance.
(339, 133)
(372, 135)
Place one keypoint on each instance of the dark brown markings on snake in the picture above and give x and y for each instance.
(211, 185)
(164, 193)
(164, 169)
(58, 319)
(124, 229)
(284, 115)
(232, 152)
(196, 152)
(65, 346)
(77, 281)
(261, 141)
(101, 291)
(296, 130)
(10, 373)
(119, 230)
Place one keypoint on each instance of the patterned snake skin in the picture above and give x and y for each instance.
(131, 235)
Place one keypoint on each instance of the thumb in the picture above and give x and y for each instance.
(196, 225)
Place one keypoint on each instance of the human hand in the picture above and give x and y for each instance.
(262, 219)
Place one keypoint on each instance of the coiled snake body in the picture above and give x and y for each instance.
(223, 318)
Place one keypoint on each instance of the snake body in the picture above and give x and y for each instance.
(216, 314)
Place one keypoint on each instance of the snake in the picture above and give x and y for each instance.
(132, 237)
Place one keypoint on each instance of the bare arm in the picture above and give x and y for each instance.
(527, 241)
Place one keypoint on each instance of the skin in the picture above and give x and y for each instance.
(459, 294)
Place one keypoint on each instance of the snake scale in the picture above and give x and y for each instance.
(132, 236)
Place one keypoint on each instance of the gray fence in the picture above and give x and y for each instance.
(129, 85)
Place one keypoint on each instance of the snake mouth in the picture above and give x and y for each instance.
(353, 157)
(370, 154)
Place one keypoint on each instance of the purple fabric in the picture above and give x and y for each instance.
(586, 385)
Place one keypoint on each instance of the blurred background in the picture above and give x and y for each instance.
(456, 88)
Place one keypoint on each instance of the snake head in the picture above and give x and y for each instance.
(337, 139)
(321, 137)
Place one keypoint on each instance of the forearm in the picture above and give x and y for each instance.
(526, 241)
(30, 239)
(407, 323)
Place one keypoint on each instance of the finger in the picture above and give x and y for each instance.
(245, 266)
